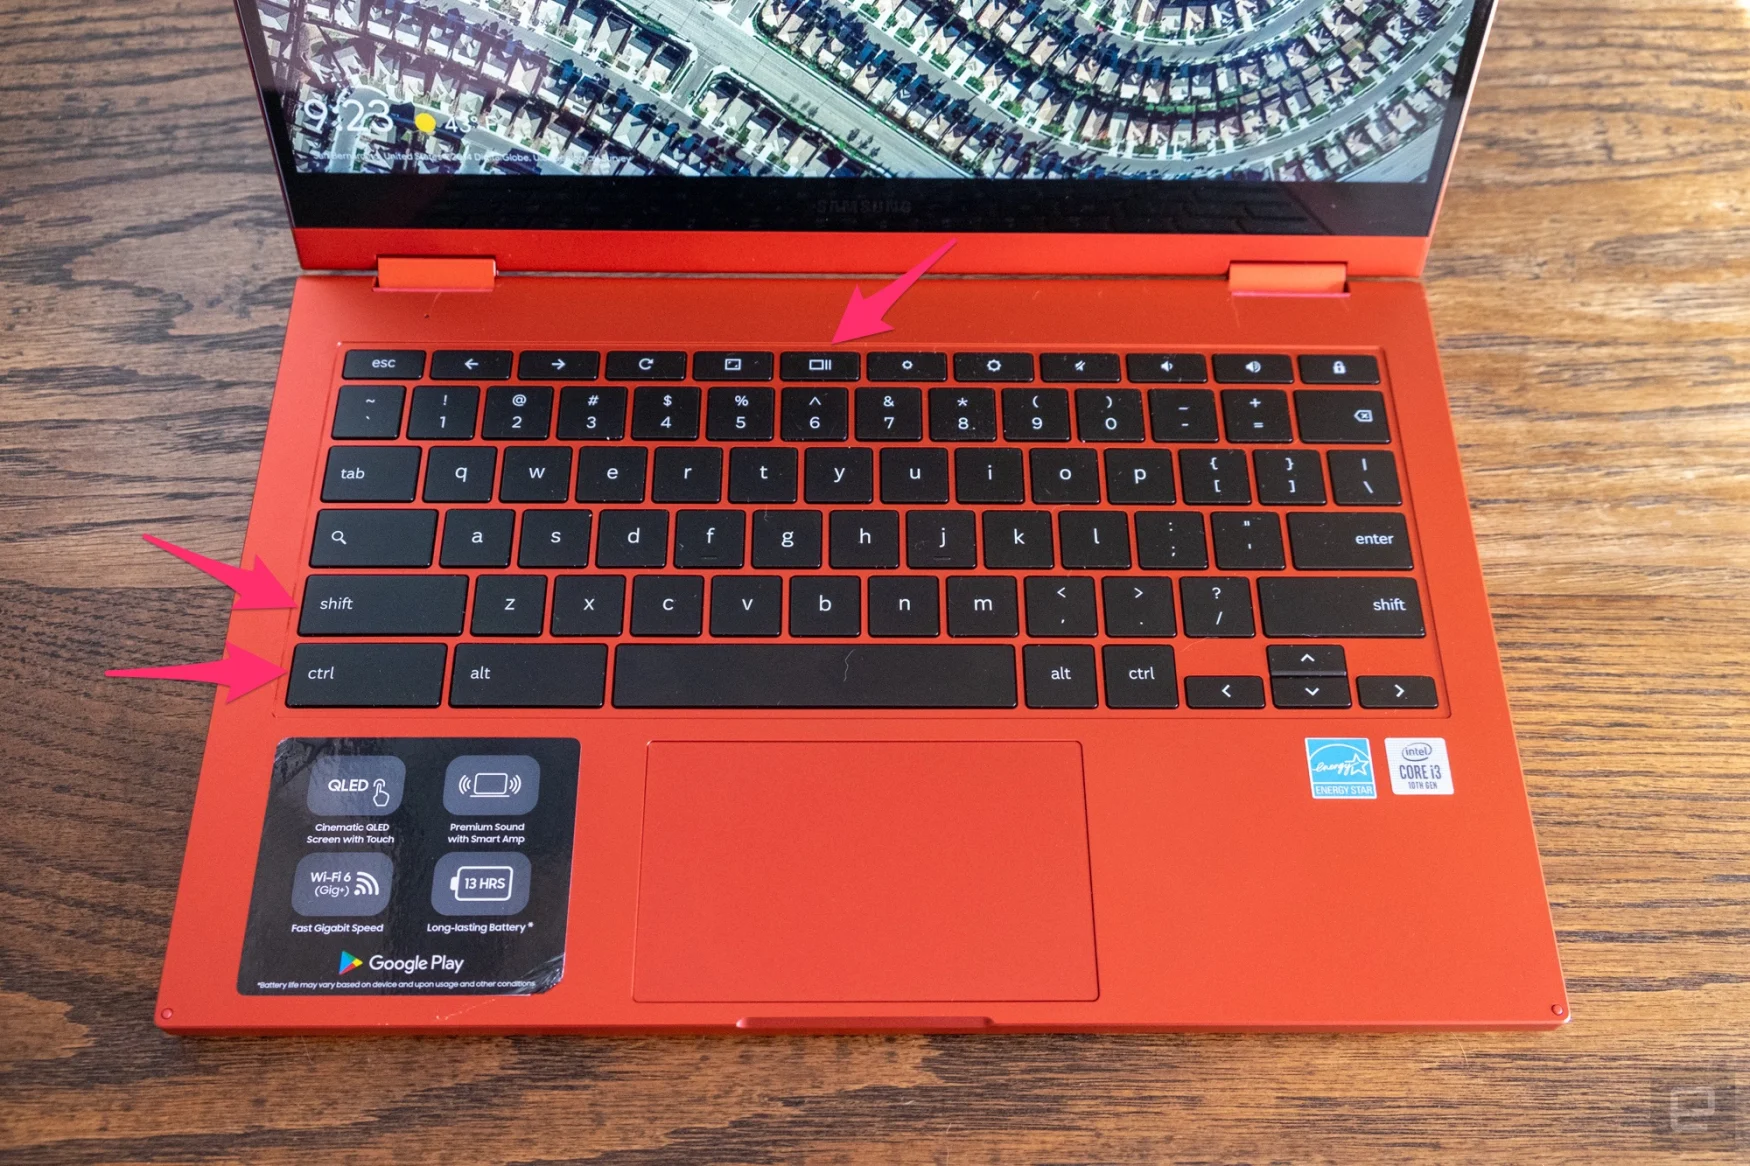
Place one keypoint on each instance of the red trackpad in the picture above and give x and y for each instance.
(855, 871)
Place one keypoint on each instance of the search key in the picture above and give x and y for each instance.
(374, 538)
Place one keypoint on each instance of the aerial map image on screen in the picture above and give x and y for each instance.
(1285, 90)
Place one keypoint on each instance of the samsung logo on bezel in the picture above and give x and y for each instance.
(862, 206)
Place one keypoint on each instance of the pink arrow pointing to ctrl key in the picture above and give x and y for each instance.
(863, 315)
(239, 671)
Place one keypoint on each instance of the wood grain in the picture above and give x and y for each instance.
(1591, 284)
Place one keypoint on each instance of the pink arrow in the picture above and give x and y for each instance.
(863, 314)
(256, 588)
(239, 671)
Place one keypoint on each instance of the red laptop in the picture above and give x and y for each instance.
(808, 515)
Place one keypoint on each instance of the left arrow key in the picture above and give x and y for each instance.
(470, 364)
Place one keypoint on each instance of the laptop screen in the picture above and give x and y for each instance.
(1255, 116)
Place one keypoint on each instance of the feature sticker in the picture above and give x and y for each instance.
(1340, 767)
(1418, 765)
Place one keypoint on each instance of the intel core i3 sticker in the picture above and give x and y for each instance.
(1340, 767)
(1418, 765)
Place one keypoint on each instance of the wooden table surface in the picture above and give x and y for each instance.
(1591, 286)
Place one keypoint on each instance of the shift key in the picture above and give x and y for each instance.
(366, 676)
(1358, 608)
(383, 605)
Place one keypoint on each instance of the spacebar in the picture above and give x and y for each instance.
(814, 676)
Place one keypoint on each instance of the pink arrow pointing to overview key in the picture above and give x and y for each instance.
(256, 588)
(863, 315)
(239, 671)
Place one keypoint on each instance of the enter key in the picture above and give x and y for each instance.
(1350, 542)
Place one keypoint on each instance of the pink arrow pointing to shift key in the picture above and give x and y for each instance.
(256, 588)
(239, 671)
(863, 315)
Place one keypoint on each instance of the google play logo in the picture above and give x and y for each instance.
(348, 962)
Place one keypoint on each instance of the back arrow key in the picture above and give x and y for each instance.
(462, 365)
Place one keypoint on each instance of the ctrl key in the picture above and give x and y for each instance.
(367, 676)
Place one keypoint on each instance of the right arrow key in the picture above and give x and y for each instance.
(1397, 692)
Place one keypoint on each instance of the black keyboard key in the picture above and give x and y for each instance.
(570, 676)
(535, 474)
(941, 540)
(989, 476)
(786, 539)
(588, 605)
(915, 475)
(890, 414)
(366, 676)
(1217, 605)
(814, 676)
(820, 366)
(470, 365)
(373, 538)
(477, 538)
(1139, 477)
(1171, 542)
(1036, 415)
(865, 540)
(383, 605)
(1224, 692)
(732, 366)
(904, 605)
(609, 474)
(822, 414)
(595, 413)
(1307, 660)
(647, 366)
(826, 605)
(747, 605)
(841, 476)
(963, 415)
(1288, 477)
(371, 473)
(1253, 369)
(443, 413)
(1110, 415)
(1093, 540)
(1364, 478)
(1350, 542)
(668, 605)
(555, 538)
(739, 414)
(517, 413)
(1256, 415)
(1339, 370)
(709, 538)
(1140, 676)
(1397, 692)
(1342, 416)
(1214, 477)
(1061, 605)
(368, 412)
(1073, 367)
(1138, 608)
(1247, 542)
(982, 605)
(1059, 676)
(1318, 608)
(460, 473)
(993, 366)
(380, 364)
(665, 413)
(908, 366)
(559, 365)
(1182, 415)
(1065, 476)
(686, 473)
(1018, 540)
(762, 475)
(632, 538)
(509, 605)
(1310, 692)
(1162, 368)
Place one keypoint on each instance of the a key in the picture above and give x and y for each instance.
(1093, 540)
(911, 476)
(665, 413)
(509, 605)
(1139, 477)
(1350, 542)
(371, 473)
(1036, 415)
(1216, 605)
(1215, 477)
(890, 414)
(709, 538)
(558, 365)
(588, 605)
(540, 473)
(477, 538)
(819, 366)
(632, 538)
(941, 540)
(1364, 478)
(993, 366)
(367, 676)
(904, 605)
(1075, 367)
(1065, 476)
(908, 366)
(1155, 368)
(1354, 608)
(1339, 370)
(460, 473)
(1397, 692)
(747, 605)
(739, 414)
(610, 474)
(718, 675)
(1310, 692)
(686, 473)
(373, 538)
(826, 605)
(762, 475)
(443, 413)
(1109, 414)
(1171, 541)
(1138, 607)
(865, 540)
(1342, 416)
(368, 412)
(1288, 477)
(383, 605)
(989, 476)
(1307, 660)
(841, 476)
(963, 415)
(1224, 692)
(529, 676)
(379, 364)
(1247, 542)
(592, 413)
(786, 539)
(1061, 605)
(1256, 415)
(982, 605)
(1182, 415)
(818, 414)
(517, 413)
(1140, 676)
(1059, 676)
(470, 365)
(668, 605)
(555, 538)
(732, 366)
(1018, 540)
(1253, 369)
(647, 366)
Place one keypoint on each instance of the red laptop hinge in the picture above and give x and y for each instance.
(429, 274)
(1288, 279)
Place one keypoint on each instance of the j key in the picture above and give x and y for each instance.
(443, 413)
(1061, 605)
(588, 605)
(632, 538)
(1078, 366)
(668, 605)
(367, 676)
(865, 539)
(1364, 478)
(890, 414)
(1140, 676)
(982, 605)
(1182, 415)
(1109, 414)
(1307, 660)
(477, 538)
(592, 414)
(509, 605)
(1171, 542)
(1315, 608)
(709, 538)
(1059, 676)
(681, 473)
(1246, 368)
(368, 412)
(384, 364)
(647, 366)
(1018, 540)
(1288, 477)
(816, 415)
(1214, 477)
(1139, 477)
(566, 365)
(963, 415)
(1256, 415)
(1350, 542)
(665, 414)
(383, 605)
(993, 366)
(1035, 415)
(762, 475)
(517, 413)
(1157, 368)
(1247, 542)
(732, 366)
(570, 676)
(1139, 607)
(1330, 416)
(1224, 692)
(373, 538)
(747, 605)
(1397, 692)
(460, 473)
(908, 366)
(1310, 692)
(739, 414)
(610, 475)
(1217, 605)
(535, 474)
(826, 605)
(371, 473)
(786, 539)
(555, 538)
(1065, 476)
(819, 366)
(989, 476)
(470, 365)
(941, 539)
(1094, 540)
(714, 675)
(1339, 370)
(904, 605)
(840, 475)
(915, 475)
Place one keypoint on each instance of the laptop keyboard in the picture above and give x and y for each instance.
(755, 529)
